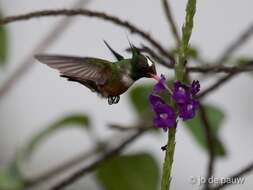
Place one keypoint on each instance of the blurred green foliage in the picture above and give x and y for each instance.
(196, 127)
(3, 44)
(130, 172)
(11, 178)
(72, 120)
(139, 99)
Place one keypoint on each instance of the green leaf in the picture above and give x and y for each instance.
(196, 127)
(139, 98)
(75, 120)
(131, 172)
(11, 178)
(3, 45)
(8, 182)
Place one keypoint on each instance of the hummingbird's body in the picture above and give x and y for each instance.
(120, 80)
(108, 79)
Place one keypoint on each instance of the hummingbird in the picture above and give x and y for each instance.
(109, 79)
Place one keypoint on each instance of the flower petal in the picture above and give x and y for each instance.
(155, 100)
(165, 108)
(165, 123)
(188, 110)
(165, 116)
(181, 93)
(161, 85)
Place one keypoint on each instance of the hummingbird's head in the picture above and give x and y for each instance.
(142, 66)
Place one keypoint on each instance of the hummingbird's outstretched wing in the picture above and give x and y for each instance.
(80, 68)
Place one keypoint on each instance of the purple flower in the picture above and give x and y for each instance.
(184, 96)
(156, 101)
(165, 117)
(161, 85)
(181, 93)
(188, 110)
(165, 114)
(195, 87)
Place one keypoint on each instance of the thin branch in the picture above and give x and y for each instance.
(67, 165)
(237, 175)
(210, 143)
(26, 64)
(221, 69)
(236, 44)
(233, 71)
(60, 169)
(204, 69)
(217, 84)
(94, 165)
(89, 13)
(246, 67)
(171, 21)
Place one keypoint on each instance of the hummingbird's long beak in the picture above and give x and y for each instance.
(156, 77)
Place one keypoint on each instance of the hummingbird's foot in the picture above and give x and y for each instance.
(117, 99)
(110, 100)
(113, 99)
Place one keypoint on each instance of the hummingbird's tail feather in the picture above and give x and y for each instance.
(117, 55)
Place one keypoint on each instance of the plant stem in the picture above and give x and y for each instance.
(179, 74)
(168, 161)
(186, 35)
